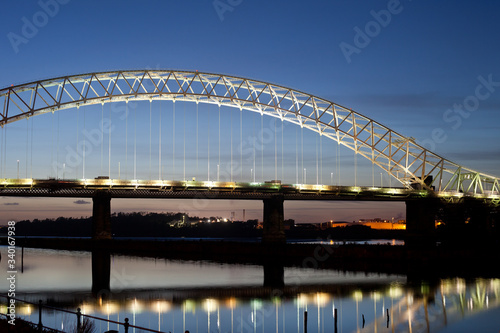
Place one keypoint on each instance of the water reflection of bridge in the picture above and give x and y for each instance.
(397, 306)
(434, 308)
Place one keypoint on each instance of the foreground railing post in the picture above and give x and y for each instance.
(78, 320)
(40, 325)
(126, 325)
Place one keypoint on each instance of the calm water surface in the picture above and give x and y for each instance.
(174, 296)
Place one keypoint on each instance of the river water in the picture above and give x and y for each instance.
(201, 296)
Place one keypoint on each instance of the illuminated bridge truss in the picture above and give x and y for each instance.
(401, 157)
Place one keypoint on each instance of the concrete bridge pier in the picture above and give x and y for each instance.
(420, 222)
(101, 216)
(274, 227)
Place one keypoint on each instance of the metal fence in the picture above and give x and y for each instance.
(78, 317)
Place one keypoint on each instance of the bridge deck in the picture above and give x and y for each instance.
(213, 190)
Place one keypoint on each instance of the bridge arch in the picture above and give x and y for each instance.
(401, 157)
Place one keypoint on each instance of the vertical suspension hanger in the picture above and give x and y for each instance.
(262, 145)
(31, 147)
(150, 136)
(102, 141)
(218, 165)
(197, 141)
(1, 152)
(5, 151)
(321, 158)
(109, 142)
(27, 145)
(159, 147)
(184, 144)
(355, 151)
(275, 149)
(173, 139)
(317, 160)
(135, 144)
(241, 144)
(296, 155)
(126, 139)
(231, 165)
(57, 147)
(208, 143)
(282, 151)
(52, 144)
(254, 144)
(84, 141)
(77, 137)
(302, 152)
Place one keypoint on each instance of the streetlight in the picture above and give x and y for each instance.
(381, 180)
(331, 177)
(305, 176)
(17, 169)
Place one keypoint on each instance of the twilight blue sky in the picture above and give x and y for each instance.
(411, 70)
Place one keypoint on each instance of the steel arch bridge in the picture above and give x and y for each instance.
(401, 157)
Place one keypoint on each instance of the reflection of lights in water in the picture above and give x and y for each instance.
(460, 286)
(218, 319)
(87, 308)
(231, 303)
(161, 306)
(321, 299)
(25, 310)
(375, 295)
(358, 295)
(136, 306)
(110, 308)
(424, 288)
(190, 305)
(395, 291)
(302, 300)
(495, 285)
(456, 285)
(409, 300)
(210, 305)
(256, 303)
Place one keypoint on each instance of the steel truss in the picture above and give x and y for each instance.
(401, 157)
